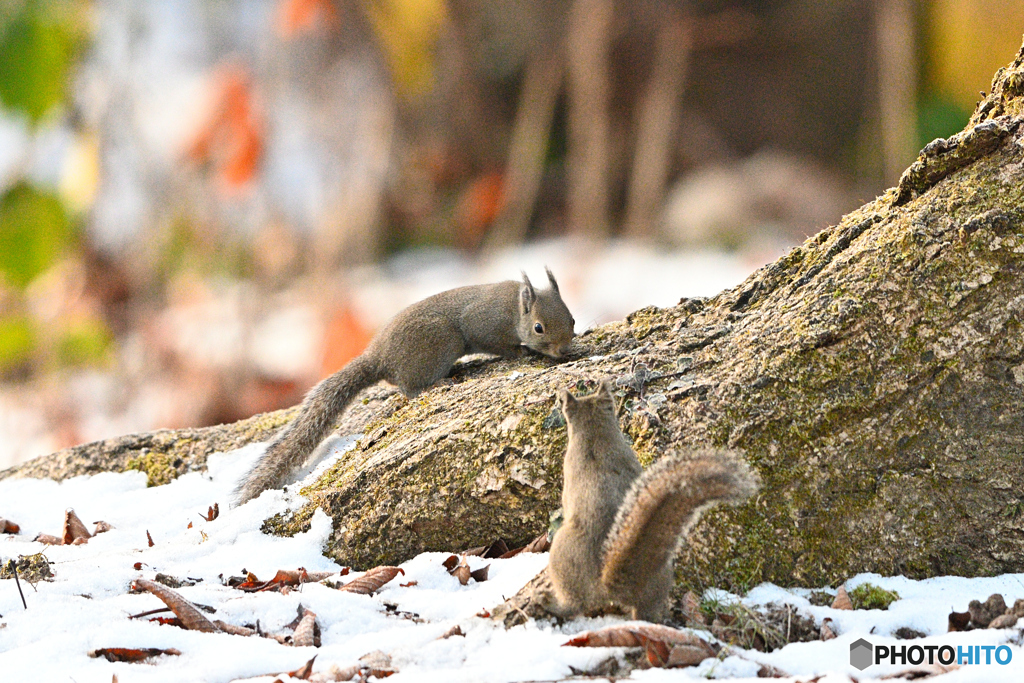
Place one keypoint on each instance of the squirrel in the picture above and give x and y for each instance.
(416, 349)
(624, 526)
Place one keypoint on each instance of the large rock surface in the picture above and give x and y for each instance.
(874, 376)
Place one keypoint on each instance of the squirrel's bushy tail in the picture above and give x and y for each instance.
(662, 505)
(301, 436)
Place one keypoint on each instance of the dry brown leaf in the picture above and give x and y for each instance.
(212, 513)
(462, 573)
(48, 539)
(769, 671)
(377, 664)
(663, 654)
(691, 609)
(630, 635)
(190, 616)
(102, 527)
(80, 541)
(303, 672)
(8, 527)
(688, 655)
(541, 544)
(494, 550)
(129, 654)
(842, 600)
(827, 631)
(283, 578)
(372, 580)
(450, 563)
(409, 584)
(958, 621)
(484, 614)
(305, 632)
(453, 631)
(480, 575)
(149, 539)
(336, 673)
(234, 630)
(74, 528)
(657, 652)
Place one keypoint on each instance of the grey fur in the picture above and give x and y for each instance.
(623, 527)
(413, 351)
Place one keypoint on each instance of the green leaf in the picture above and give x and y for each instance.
(34, 232)
(37, 46)
(17, 339)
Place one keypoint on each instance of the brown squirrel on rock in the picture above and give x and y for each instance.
(624, 526)
(414, 351)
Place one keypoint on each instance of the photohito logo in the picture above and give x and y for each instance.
(863, 654)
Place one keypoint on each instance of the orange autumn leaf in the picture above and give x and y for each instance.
(295, 17)
(477, 208)
(229, 138)
(346, 337)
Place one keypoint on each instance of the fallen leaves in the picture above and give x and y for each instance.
(73, 531)
(664, 647)
(842, 600)
(8, 527)
(993, 613)
(306, 630)
(128, 654)
(307, 633)
(459, 568)
(371, 581)
(189, 615)
(212, 513)
(284, 579)
(633, 635)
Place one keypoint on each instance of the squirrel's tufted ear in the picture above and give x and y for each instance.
(564, 400)
(551, 279)
(606, 393)
(526, 296)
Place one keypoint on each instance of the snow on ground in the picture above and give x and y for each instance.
(87, 604)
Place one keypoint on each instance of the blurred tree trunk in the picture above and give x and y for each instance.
(897, 83)
(874, 376)
(532, 129)
(657, 124)
(589, 42)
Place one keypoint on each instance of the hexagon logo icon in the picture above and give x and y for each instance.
(861, 654)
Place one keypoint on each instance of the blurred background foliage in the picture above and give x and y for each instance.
(237, 166)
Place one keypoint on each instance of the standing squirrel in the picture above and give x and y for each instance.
(415, 350)
(623, 527)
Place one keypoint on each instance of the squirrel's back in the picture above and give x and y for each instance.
(414, 350)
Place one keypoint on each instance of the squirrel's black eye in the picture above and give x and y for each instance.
(538, 328)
